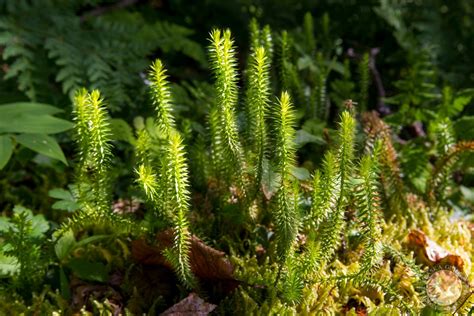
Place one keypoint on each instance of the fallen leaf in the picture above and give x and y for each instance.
(191, 305)
(430, 252)
(83, 293)
(206, 262)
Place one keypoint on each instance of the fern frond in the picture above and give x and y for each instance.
(390, 173)
(443, 135)
(161, 96)
(443, 168)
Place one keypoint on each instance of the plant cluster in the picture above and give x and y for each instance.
(351, 227)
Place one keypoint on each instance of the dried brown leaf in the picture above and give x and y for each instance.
(191, 305)
(206, 262)
(430, 253)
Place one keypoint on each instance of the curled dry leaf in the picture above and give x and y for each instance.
(191, 305)
(430, 253)
(83, 293)
(126, 206)
(207, 263)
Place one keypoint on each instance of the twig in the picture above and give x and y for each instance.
(381, 107)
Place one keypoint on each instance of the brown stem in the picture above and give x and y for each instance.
(381, 107)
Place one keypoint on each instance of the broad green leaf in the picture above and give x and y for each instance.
(303, 138)
(8, 266)
(27, 108)
(43, 144)
(66, 205)
(67, 201)
(468, 193)
(122, 131)
(61, 194)
(39, 224)
(44, 124)
(90, 271)
(65, 245)
(6, 149)
(300, 173)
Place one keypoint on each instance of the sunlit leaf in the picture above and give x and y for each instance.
(43, 144)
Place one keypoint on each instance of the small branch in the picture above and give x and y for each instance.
(382, 108)
(105, 9)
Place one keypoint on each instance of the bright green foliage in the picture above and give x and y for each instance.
(292, 285)
(93, 141)
(332, 228)
(20, 255)
(325, 191)
(343, 89)
(305, 248)
(257, 106)
(177, 187)
(224, 66)
(266, 40)
(148, 181)
(364, 82)
(286, 206)
(161, 97)
(167, 187)
(261, 37)
(368, 205)
(284, 59)
(319, 92)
